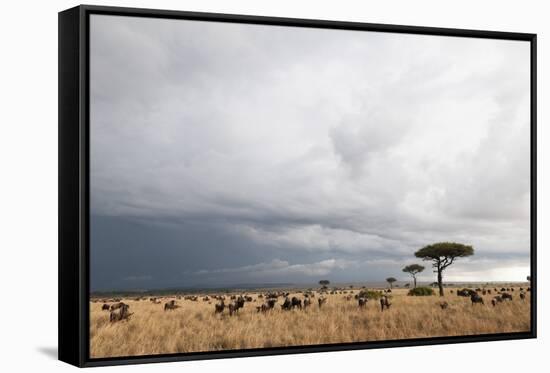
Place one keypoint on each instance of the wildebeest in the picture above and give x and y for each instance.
(287, 304)
(105, 307)
(443, 305)
(385, 303)
(234, 306)
(118, 305)
(495, 300)
(170, 305)
(206, 298)
(307, 302)
(465, 292)
(219, 307)
(476, 298)
(120, 313)
(268, 305)
(522, 296)
(362, 302)
(321, 301)
(296, 303)
(506, 296)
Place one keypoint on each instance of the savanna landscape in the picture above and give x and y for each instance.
(253, 188)
(180, 323)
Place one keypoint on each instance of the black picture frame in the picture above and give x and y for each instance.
(74, 182)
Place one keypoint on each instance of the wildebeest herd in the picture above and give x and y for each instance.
(476, 297)
(264, 318)
(231, 304)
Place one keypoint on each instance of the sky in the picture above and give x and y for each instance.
(225, 154)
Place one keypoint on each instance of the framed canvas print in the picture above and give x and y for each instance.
(238, 185)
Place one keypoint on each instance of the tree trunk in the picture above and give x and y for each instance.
(414, 279)
(440, 281)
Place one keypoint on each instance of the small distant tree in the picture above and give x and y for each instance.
(413, 270)
(391, 280)
(324, 283)
(442, 255)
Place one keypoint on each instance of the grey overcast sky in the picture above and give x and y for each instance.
(228, 154)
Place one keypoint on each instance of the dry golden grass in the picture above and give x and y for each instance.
(194, 327)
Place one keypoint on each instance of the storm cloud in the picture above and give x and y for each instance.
(227, 153)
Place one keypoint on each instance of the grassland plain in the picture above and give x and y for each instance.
(194, 327)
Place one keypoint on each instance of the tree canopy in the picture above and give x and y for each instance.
(446, 252)
(413, 269)
(443, 254)
(324, 282)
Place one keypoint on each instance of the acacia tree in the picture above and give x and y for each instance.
(442, 255)
(413, 270)
(324, 283)
(390, 281)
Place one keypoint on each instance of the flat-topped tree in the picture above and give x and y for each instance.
(324, 283)
(413, 270)
(442, 255)
(390, 281)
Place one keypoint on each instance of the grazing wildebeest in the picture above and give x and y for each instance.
(118, 305)
(219, 307)
(502, 289)
(105, 307)
(385, 303)
(522, 296)
(528, 289)
(506, 296)
(296, 303)
(465, 292)
(321, 301)
(170, 305)
(484, 292)
(307, 303)
(287, 304)
(489, 291)
(206, 298)
(451, 291)
(234, 307)
(248, 298)
(476, 298)
(120, 313)
(362, 302)
(268, 305)
(443, 305)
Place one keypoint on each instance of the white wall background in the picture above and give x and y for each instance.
(28, 183)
